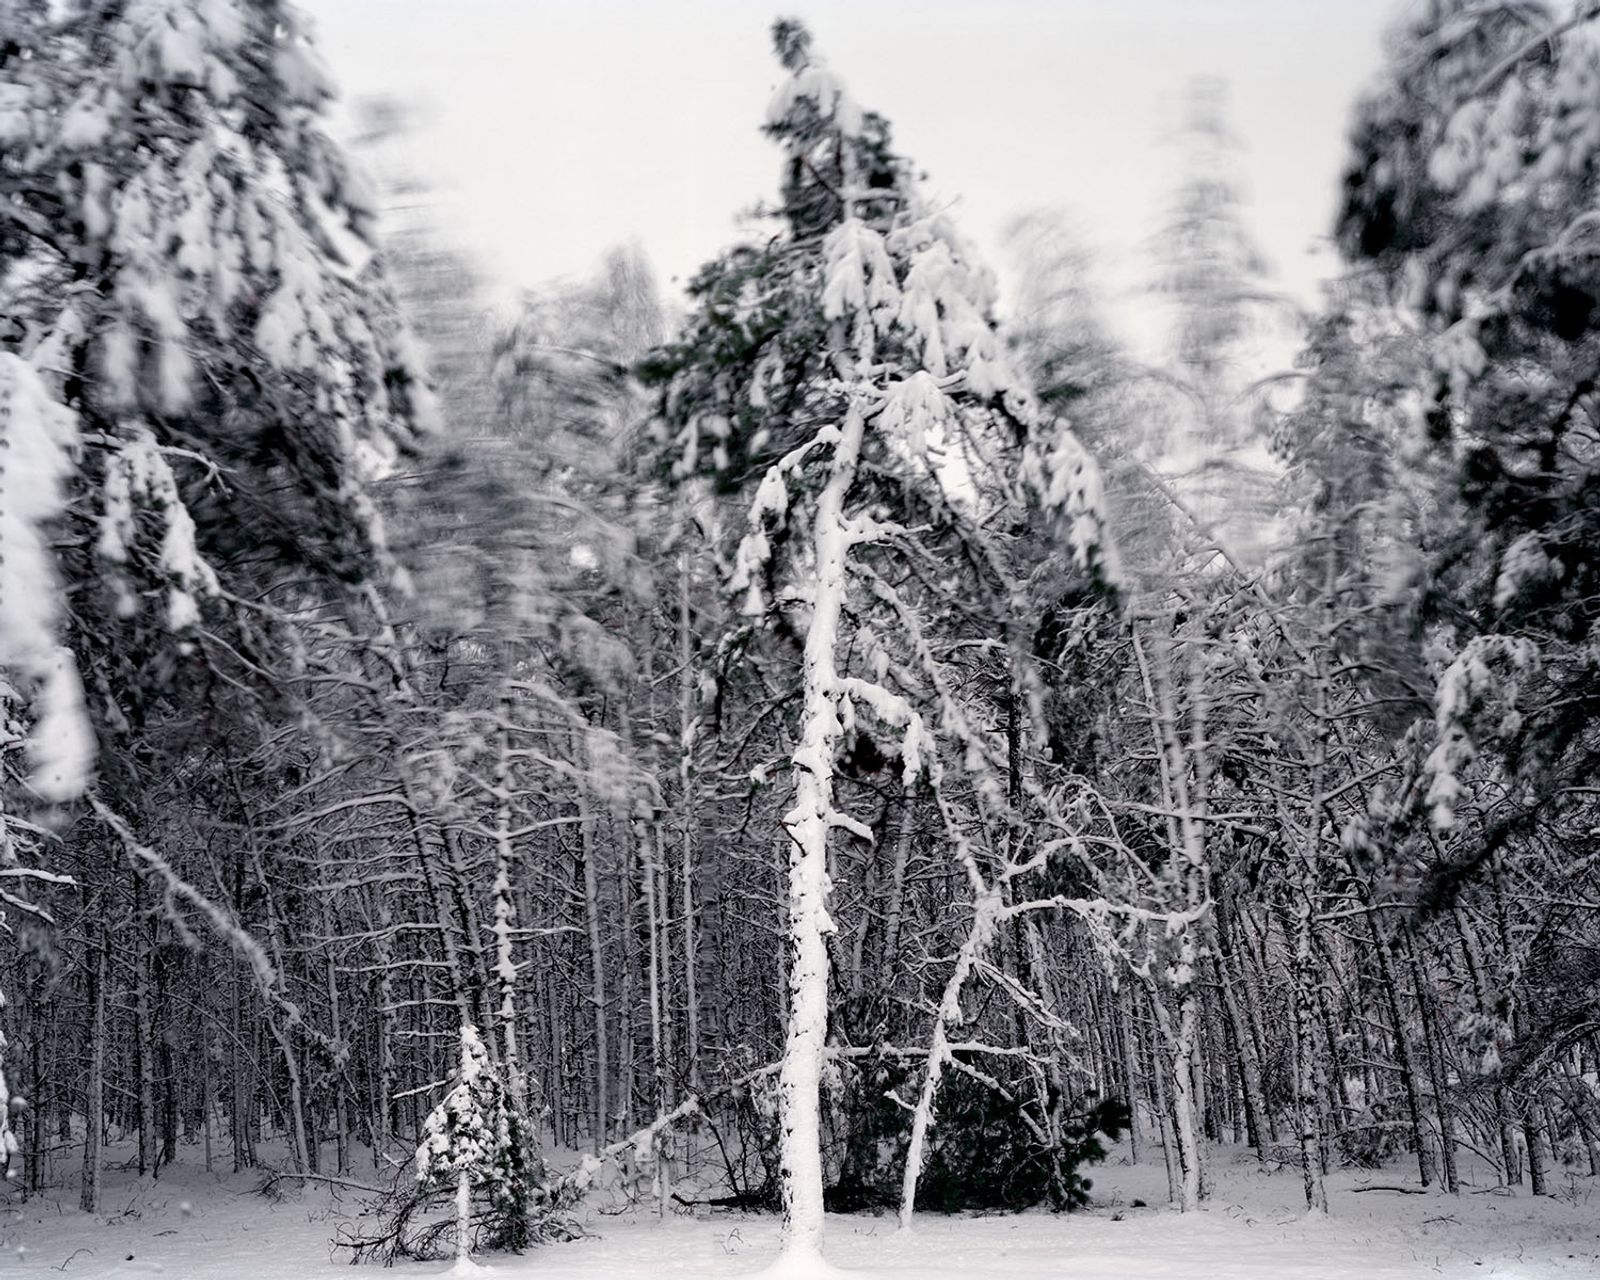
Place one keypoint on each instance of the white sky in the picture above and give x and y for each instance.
(561, 127)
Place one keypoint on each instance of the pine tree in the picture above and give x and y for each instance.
(188, 263)
(847, 377)
(1472, 190)
(205, 376)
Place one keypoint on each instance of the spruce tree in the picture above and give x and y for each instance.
(477, 1140)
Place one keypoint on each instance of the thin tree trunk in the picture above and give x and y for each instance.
(1404, 1055)
(1436, 1069)
(897, 896)
(1306, 1105)
(144, 1033)
(687, 726)
(385, 1119)
(94, 1088)
(1533, 1126)
(1505, 1128)
(597, 974)
(985, 914)
(1158, 1076)
(207, 1091)
(1130, 1074)
(1249, 1064)
(336, 1079)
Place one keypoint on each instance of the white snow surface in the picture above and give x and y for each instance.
(189, 1225)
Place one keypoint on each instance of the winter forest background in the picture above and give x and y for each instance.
(907, 722)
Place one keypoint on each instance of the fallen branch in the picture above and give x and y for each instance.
(269, 1184)
(571, 1187)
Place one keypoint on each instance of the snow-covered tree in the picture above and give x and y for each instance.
(46, 743)
(204, 374)
(1472, 190)
(847, 376)
(476, 1141)
(188, 263)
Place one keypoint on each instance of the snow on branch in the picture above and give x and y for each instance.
(176, 889)
(38, 440)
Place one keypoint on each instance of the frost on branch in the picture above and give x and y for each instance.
(1523, 566)
(1065, 481)
(138, 473)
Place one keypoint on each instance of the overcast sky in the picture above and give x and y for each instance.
(560, 127)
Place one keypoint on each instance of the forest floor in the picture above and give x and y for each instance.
(190, 1225)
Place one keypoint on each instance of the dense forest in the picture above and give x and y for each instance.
(840, 741)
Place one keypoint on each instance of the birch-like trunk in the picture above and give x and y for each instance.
(1183, 1099)
(505, 964)
(985, 912)
(808, 823)
(1188, 799)
(463, 1220)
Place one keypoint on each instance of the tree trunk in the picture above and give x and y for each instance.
(985, 914)
(463, 1219)
(897, 896)
(1436, 1068)
(1129, 1073)
(1533, 1125)
(1249, 1064)
(336, 1077)
(687, 726)
(808, 823)
(597, 975)
(94, 1086)
(144, 1033)
(1158, 1076)
(1404, 1054)
(1306, 1105)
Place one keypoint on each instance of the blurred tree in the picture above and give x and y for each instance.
(1213, 447)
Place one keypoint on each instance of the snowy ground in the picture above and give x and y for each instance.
(193, 1226)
